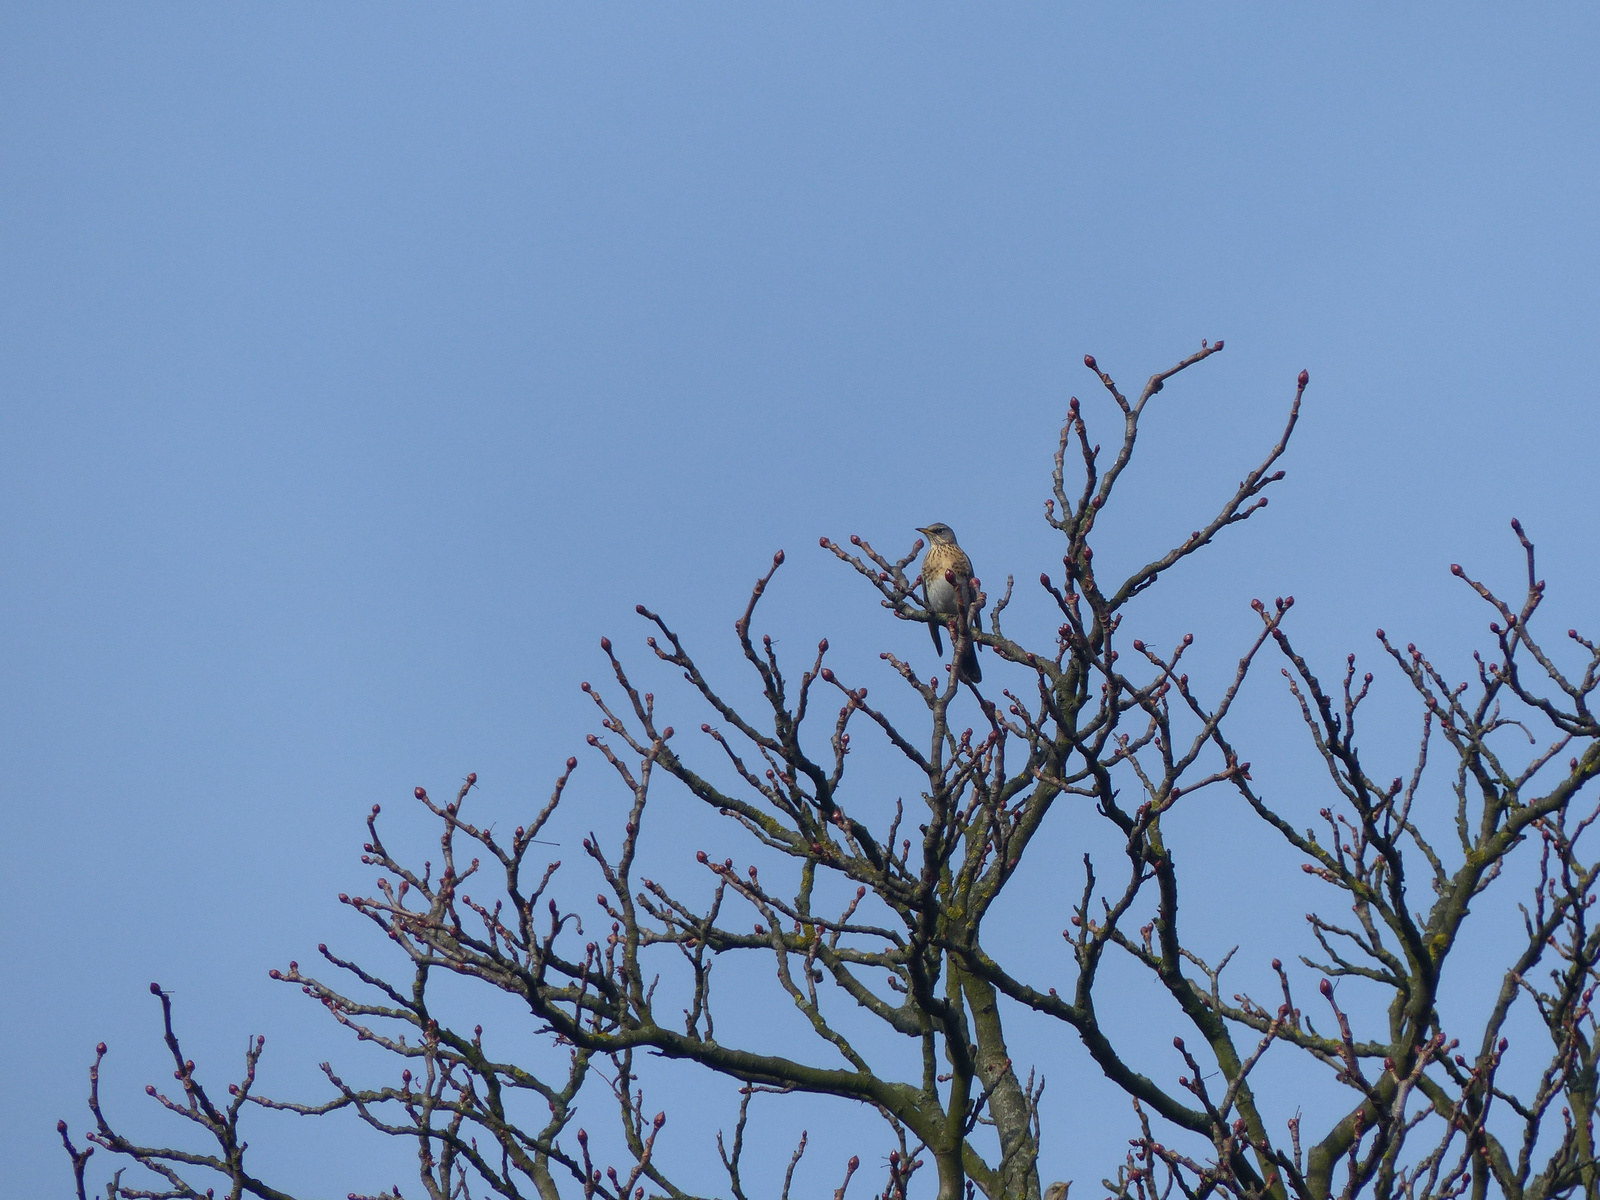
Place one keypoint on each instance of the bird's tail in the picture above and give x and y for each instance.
(970, 670)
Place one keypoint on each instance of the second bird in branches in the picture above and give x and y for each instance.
(947, 582)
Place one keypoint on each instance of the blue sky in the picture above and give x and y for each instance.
(360, 366)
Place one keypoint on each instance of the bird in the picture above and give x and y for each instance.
(947, 599)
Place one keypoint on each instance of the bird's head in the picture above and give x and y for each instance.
(938, 532)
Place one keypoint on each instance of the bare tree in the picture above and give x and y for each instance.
(874, 931)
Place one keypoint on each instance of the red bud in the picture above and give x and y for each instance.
(1088, 361)
(1305, 376)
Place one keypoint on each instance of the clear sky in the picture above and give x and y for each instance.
(362, 364)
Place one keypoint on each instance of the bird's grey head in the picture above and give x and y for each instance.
(938, 532)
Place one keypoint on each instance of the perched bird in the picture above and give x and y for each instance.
(945, 598)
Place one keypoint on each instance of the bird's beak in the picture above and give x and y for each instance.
(920, 529)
